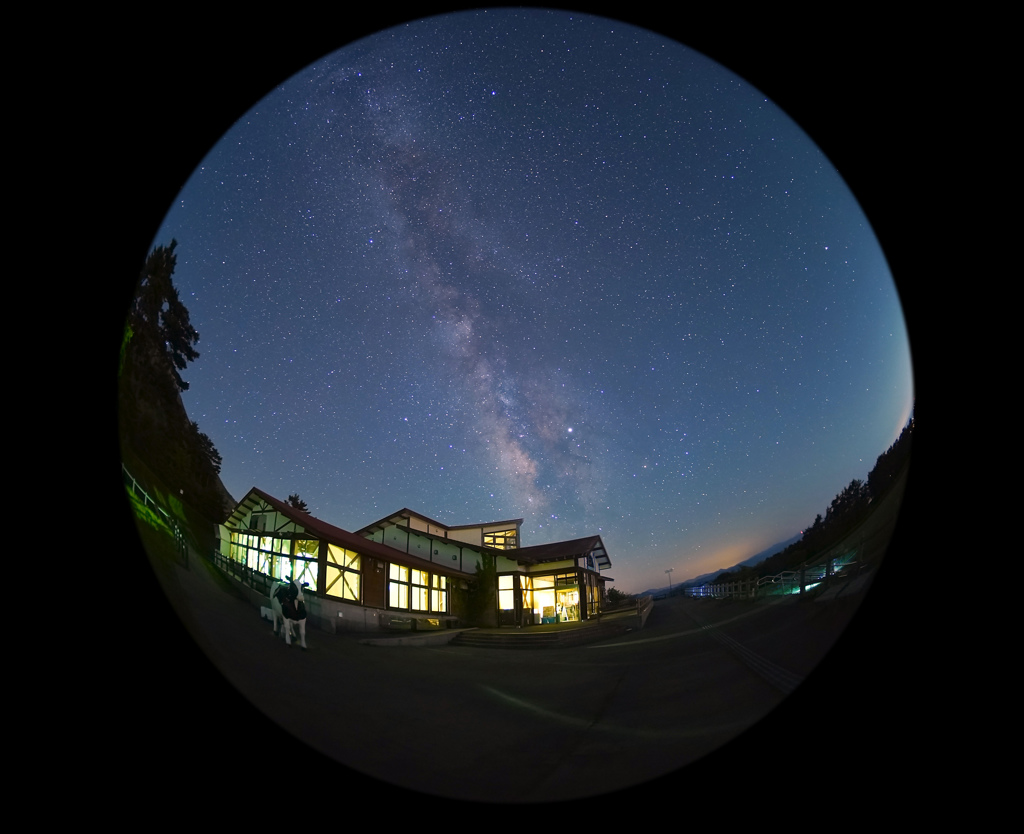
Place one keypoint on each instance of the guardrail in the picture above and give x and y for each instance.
(149, 505)
(860, 548)
(643, 608)
(249, 577)
(798, 581)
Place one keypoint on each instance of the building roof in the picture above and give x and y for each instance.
(335, 535)
(557, 551)
(536, 554)
(398, 517)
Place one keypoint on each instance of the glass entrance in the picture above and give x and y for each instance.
(536, 600)
(568, 606)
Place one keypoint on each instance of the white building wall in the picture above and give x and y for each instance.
(471, 535)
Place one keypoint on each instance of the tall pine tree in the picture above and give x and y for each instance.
(162, 337)
(158, 345)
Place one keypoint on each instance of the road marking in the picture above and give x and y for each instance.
(623, 643)
(669, 636)
(654, 734)
(782, 679)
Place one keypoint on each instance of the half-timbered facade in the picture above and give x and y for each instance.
(410, 565)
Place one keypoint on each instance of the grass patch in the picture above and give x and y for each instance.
(158, 542)
(148, 515)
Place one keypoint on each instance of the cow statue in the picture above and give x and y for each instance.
(289, 609)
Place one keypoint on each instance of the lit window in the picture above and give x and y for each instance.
(438, 594)
(343, 578)
(416, 590)
(504, 540)
(506, 594)
(398, 587)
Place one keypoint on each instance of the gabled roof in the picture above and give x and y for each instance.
(557, 551)
(332, 534)
(398, 517)
(537, 554)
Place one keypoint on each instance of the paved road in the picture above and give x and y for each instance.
(491, 725)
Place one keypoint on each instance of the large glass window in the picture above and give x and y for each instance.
(593, 595)
(343, 577)
(567, 605)
(543, 599)
(438, 594)
(552, 598)
(398, 586)
(304, 564)
(419, 590)
(506, 592)
(416, 590)
(504, 539)
(269, 555)
(530, 615)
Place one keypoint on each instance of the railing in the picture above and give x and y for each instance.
(148, 504)
(798, 581)
(861, 547)
(745, 589)
(643, 608)
(249, 577)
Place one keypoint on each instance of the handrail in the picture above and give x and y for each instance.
(798, 580)
(135, 488)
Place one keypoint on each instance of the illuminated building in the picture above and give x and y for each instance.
(410, 569)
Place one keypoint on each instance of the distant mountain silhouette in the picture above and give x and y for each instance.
(757, 558)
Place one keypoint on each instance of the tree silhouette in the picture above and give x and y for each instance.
(615, 596)
(482, 601)
(298, 503)
(159, 342)
(892, 461)
(204, 449)
(162, 337)
(847, 510)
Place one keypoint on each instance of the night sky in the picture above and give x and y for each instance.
(539, 265)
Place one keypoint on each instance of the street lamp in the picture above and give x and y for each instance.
(669, 572)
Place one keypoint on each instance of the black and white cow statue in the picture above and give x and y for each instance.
(289, 609)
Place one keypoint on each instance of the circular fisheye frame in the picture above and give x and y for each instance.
(515, 407)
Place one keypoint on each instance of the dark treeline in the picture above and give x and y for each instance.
(847, 510)
(156, 433)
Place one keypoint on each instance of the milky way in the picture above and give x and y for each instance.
(540, 265)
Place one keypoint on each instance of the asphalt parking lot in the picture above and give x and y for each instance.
(653, 710)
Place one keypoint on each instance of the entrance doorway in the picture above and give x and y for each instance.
(568, 606)
(536, 600)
